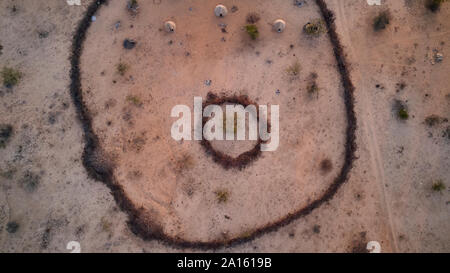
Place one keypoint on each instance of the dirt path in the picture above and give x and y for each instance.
(366, 120)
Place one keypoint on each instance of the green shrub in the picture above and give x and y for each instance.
(135, 100)
(294, 69)
(438, 186)
(226, 129)
(122, 68)
(252, 31)
(401, 110)
(10, 76)
(314, 28)
(403, 114)
(222, 196)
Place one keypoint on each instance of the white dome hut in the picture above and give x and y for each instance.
(279, 25)
(170, 26)
(221, 11)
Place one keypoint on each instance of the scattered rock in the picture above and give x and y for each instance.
(208, 82)
(234, 9)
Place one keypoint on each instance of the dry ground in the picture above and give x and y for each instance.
(388, 198)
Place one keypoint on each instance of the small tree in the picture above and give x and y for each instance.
(434, 5)
(381, 21)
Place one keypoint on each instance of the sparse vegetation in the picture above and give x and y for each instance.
(138, 143)
(222, 196)
(135, 100)
(122, 68)
(381, 21)
(253, 18)
(434, 5)
(403, 114)
(434, 120)
(105, 225)
(133, 6)
(186, 162)
(8, 174)
(438, 186)
(10, 76)
(6, 131)
(313, 90)
(446, 133)
(314, 28)
(225, 124)
(252, 31)
(326, 165)
(401, 110)
(12, 227)
(30, 181)
(294, 69)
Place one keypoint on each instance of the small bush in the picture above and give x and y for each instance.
(446, 133)
(133, 6)
(434, 5)
(10, 76)
(30, 181)
(222, 196)
(122, 68)
(401, 110)
(12, 227)
(186, 162)
(403, 114)
(314, 28)
(225, 124)
(438, 186)
(313, 90)
(253, 18)
(294, 69)
(252, 31)
(381, 21)
(6, 131)
(326, 166)
(434, 120)
(135, 100)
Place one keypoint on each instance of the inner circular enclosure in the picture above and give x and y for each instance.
(176, 187)
(217, 149)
